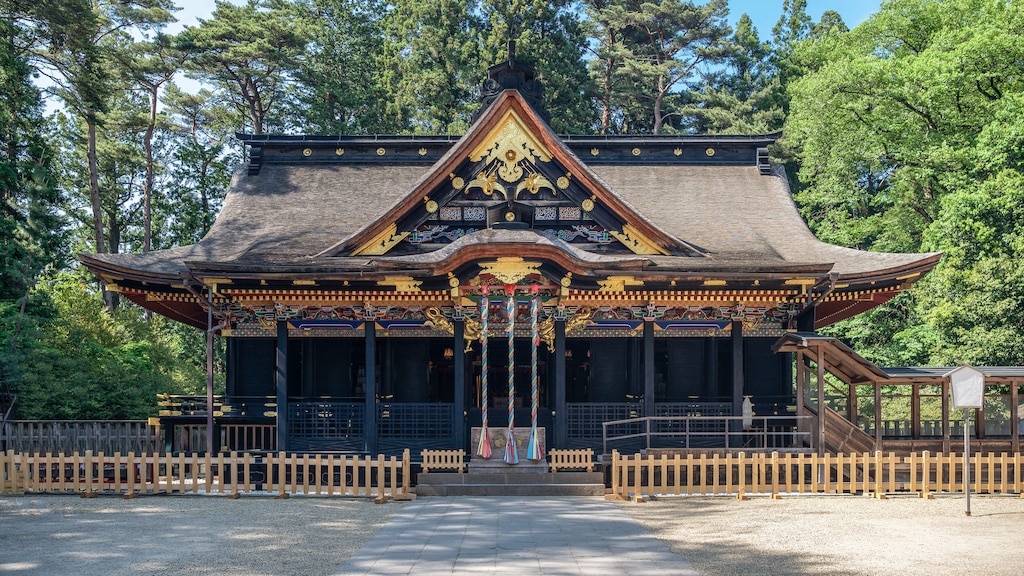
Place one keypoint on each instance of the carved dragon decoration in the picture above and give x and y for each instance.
(438, 321)
(577, 321)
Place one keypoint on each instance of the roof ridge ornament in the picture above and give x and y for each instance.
(512, 75)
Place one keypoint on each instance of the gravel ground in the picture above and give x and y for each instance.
(257, 535)
(157, 535)
(840, 535)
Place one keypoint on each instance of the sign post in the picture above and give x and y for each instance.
(967, 385)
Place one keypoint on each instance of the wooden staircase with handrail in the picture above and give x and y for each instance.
(841, 435)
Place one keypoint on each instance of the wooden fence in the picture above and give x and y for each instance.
(108, 436)
(232, 474)
(776, 474)
(581, 459)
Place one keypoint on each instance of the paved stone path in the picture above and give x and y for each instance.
(514, 537)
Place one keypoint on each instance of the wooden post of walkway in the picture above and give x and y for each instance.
(459, 409)
(821, 399)
(370, 387)
(737, 382)
(649, 406)
(561, 416)
(281, 366)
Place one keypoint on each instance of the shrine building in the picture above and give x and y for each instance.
(376, 292)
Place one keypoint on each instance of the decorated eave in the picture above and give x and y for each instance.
(659, 222)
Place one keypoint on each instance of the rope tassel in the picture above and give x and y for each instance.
(484, 446)
(534, 451)
(511, 457)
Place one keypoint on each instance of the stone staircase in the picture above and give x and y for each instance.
(499, 479)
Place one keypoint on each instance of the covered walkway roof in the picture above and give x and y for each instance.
(841, 361)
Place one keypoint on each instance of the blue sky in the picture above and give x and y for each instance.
(764, 13)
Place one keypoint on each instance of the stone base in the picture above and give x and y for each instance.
(497, 465)
(498, 438)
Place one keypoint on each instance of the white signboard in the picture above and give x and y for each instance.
(968, 387)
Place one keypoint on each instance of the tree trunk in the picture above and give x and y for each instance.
(147, 194)
(94, 183)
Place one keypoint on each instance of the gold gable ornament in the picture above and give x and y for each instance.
(401, 283)
(508, 144)
(510, 270)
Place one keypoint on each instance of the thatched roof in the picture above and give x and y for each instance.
(709, 210)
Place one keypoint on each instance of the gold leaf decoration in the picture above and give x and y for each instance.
(533, 184)
(488, 184)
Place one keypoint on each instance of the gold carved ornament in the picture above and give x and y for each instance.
(510, 270)
(488, 184)
(533, 184)
(579, 320)
(471, 328)
(508, 145)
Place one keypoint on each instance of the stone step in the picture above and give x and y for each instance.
(509, 478)
(510, 490)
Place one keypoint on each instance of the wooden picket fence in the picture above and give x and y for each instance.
(443, 460)
(878, 474)
(280, 474)
(565, 459)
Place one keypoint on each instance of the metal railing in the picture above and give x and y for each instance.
(708, 432)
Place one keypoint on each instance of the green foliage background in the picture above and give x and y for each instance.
(903, 134)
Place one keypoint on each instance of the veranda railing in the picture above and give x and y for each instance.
(776, 473)
(706, 432)
(281, 474)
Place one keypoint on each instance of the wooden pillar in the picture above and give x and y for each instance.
(737, 376)
(979, 421)
(1015, 416)
(801, 380)
(459, 409)
(649, 407)
(915, 411)
(210, 446)
(945, 416)
(878, 415)
(821, 400)
(851, 403)
(370, 388)
(561, 432)
(281, 365)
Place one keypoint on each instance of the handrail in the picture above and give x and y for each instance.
(726, 432)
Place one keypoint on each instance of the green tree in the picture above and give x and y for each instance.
(151, 65)
(251, 53)
(202, 153)
(745, 96)
(907, 128)
(29, 227)
(650, 53)
(84, 362)
(431, 65)
(73, 44)
(338, 90)
(551, 38)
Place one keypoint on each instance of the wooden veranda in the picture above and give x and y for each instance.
(902, 410)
